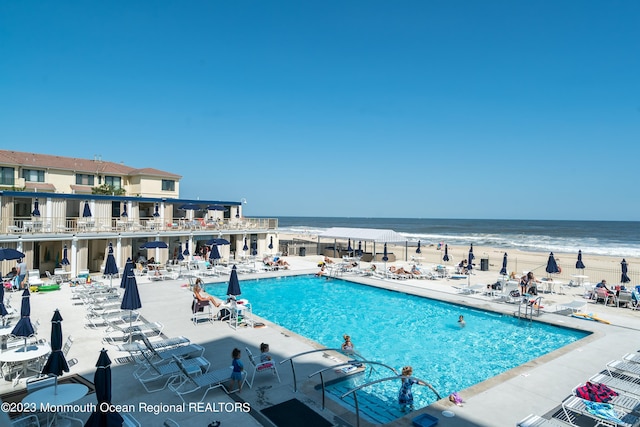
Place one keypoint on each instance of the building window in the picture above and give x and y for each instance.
(32, 175)
(7, 176)
(114, 181)
(168, 185)
(83, 179)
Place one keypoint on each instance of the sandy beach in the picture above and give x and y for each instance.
(498, 401)
(598, 267)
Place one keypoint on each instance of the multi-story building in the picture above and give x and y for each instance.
(48, 204)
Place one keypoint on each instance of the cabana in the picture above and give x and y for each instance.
(357, 235)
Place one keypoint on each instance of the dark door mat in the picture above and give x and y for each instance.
(17, 395)
(294, 413)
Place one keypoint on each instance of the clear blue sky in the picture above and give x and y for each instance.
(437, 109)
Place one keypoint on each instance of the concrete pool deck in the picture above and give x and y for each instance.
(537, 387)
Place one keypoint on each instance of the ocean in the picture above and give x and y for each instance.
(614, 238)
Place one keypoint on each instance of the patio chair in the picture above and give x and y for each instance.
(574, 306)
(629, 369)
(186, 383)
(159, 345)
(617, 383)
(188, 350)
(624, 298)
(602, 413)
(621, 400)
(151, 371)
(120, 333)
(26, 421)
(268, 367)
(537, 421)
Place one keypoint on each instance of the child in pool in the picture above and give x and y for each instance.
(238, 367)
(461, 321)
(347, 345)
(405, 396)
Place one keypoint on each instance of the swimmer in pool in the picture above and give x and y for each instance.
(461, 321)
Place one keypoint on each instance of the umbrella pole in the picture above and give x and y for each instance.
(130, 323)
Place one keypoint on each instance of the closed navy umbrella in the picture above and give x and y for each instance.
(128, 270)
(359, 252)
(86, 213)
(245, 247)
(271, 243)
(65, 260)
(503, 270)
(186, 249)
(349, 249)
(254, 248)
(625, 277)
(215, 253)
(445, 258)
(470, 261)
(110, 266)
(3, 309)
(156, 211)
(24, 328)
(36, 208)
(131, 297)
(56, 362)
(418, 250)
(233, 288)
(180, 256)
(124, 211)
(102, 382)
(552, 266)
(385, 257)
(471, 255)
(579, 263)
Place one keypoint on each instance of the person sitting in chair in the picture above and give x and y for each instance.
(197, 293)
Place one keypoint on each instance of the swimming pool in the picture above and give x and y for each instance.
(400, 329)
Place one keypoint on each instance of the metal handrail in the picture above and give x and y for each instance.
(355, 395)
(350, 362)
(293, 369)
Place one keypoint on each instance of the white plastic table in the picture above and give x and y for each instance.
(62, 394)
(22, 355)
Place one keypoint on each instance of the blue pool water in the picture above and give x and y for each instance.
(398, 330)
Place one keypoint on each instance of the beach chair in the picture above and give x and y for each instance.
(150, 371)
(258, 367)
(574, 306)
(186, 383)
(117, 333)
(629, 369)
(618, 383)
(33, 278)
(26, 421)
(158, 345)
(623, 400)
(537, 421)
(603, 414)
(182, 351)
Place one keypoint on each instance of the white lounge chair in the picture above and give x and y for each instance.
(612, 416)
(574, 306)
(537, 421)
(268, 367)
(617, 384)
(186, 383)
(151, 371)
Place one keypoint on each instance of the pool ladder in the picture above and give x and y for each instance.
(531, 308)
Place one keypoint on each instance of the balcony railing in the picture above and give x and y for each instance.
(98, 225)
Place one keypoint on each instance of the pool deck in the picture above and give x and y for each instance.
(537, 387)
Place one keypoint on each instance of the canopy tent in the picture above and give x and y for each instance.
(366, 234)
(374, 235)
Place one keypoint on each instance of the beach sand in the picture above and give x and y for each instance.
(598, 267)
